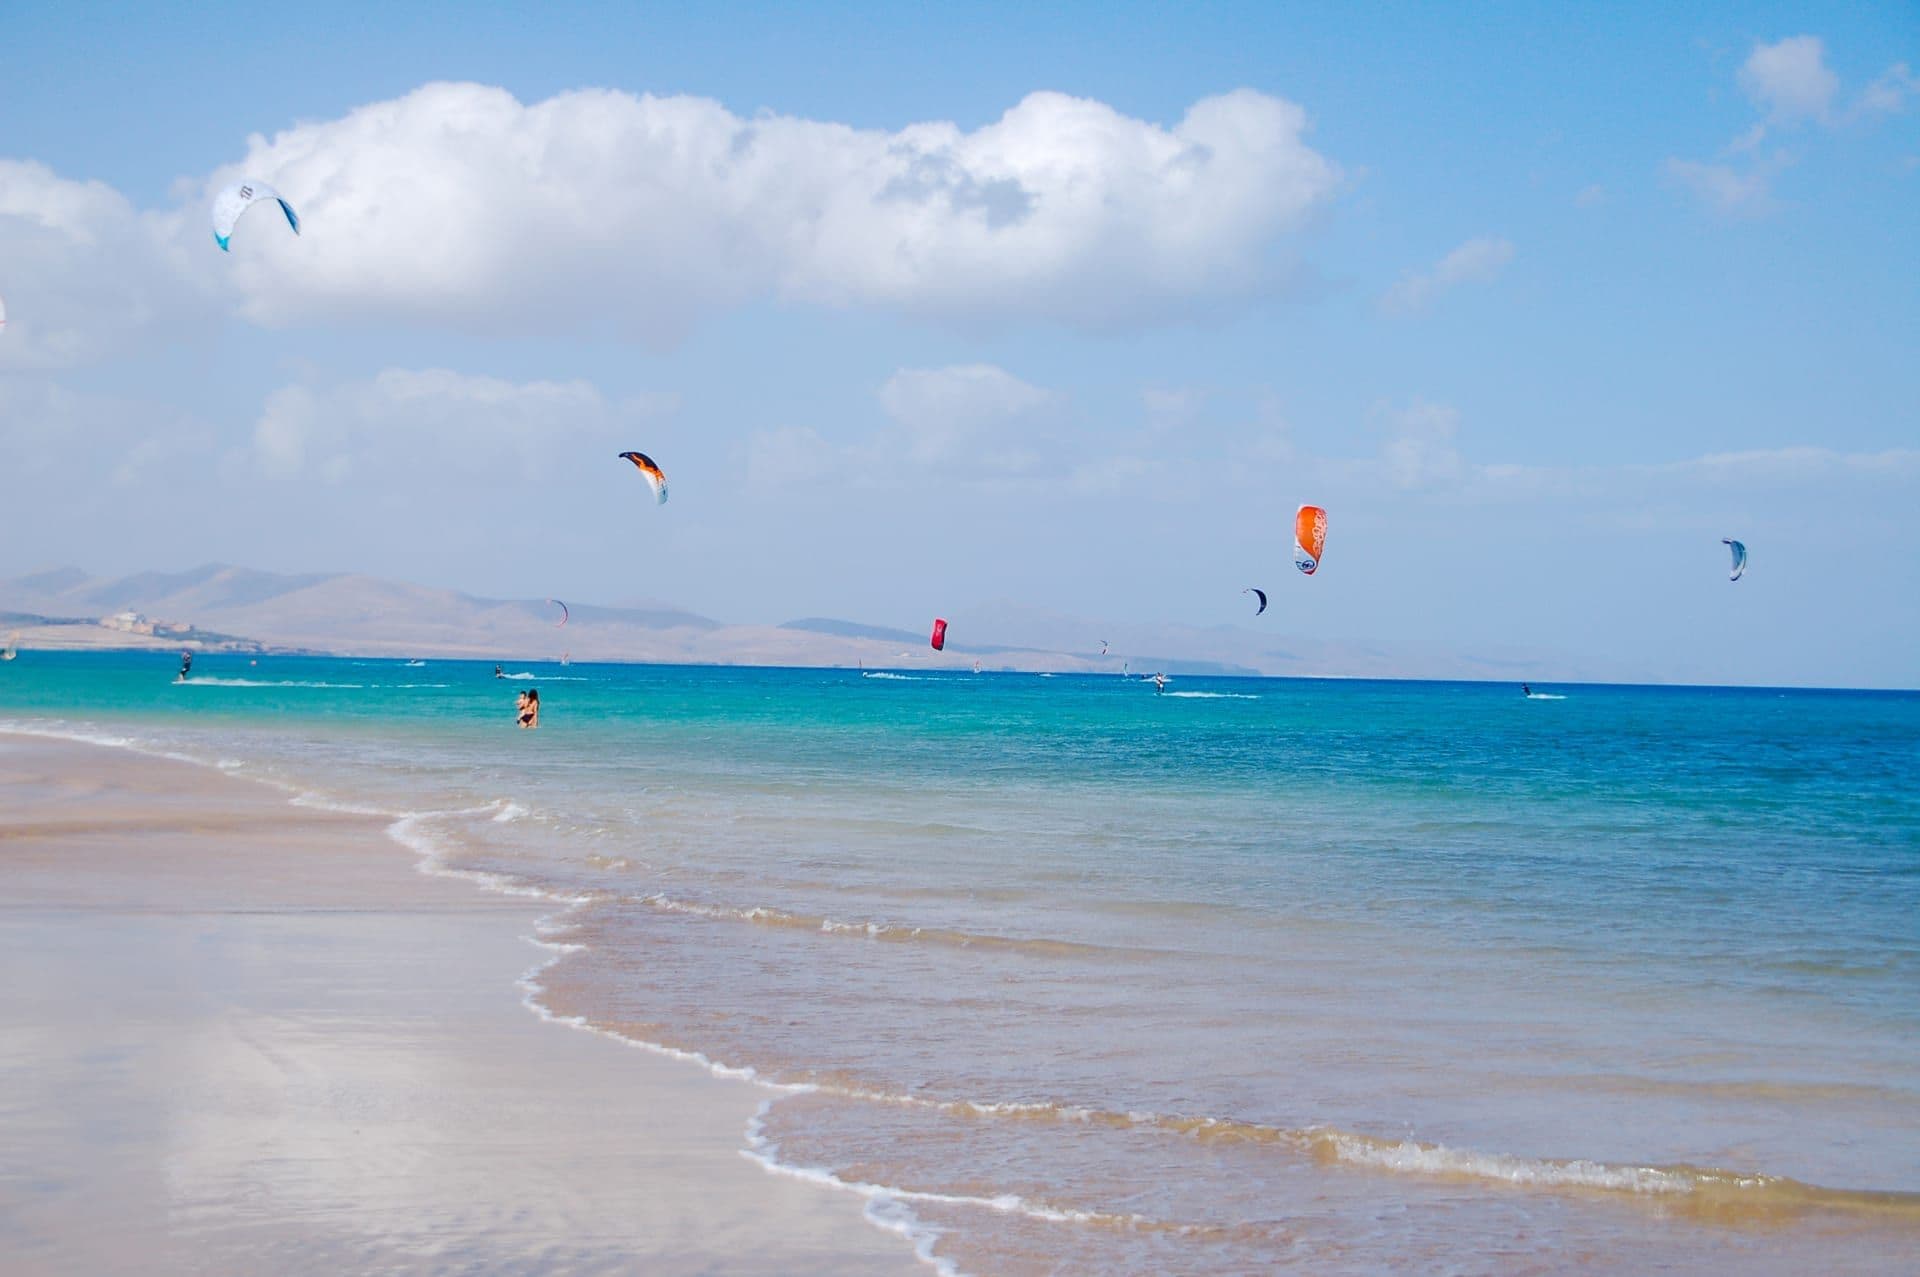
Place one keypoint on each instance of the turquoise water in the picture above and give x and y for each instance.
(1354, 976)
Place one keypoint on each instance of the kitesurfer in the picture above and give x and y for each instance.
(498, 672)
(1159, 684)
(186, 667)
(1525, 690)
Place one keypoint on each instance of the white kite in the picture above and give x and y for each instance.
(229, 205)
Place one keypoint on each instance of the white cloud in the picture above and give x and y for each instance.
(1888, 95)
(1790, 79)
(1791, 83)
(404, 423)
(1723, 186)
(969, 421)
(1420, 451)
(1476, 261)
(976, 414)
(66, 449)
(1170, 409)
(86, 274)
(788, 455)
(458, 204)
(1790, 466)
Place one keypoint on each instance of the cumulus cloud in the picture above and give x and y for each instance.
(1792, 85)
(1790, 79)
(459, 204)
(87, 275)
(406, 422)
(1476, 261)
(1888, 95)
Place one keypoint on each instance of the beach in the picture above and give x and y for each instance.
(1031, 975)
(243, 1036)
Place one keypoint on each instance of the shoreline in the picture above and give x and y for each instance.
(249, 1036)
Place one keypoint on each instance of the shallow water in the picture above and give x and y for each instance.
(1350, 976)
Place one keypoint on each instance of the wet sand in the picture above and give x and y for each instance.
(238, 1036)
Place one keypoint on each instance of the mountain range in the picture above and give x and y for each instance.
(220, 606)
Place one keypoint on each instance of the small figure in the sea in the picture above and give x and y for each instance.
(1525, 690)
(1159, 684)
(498, 672)
(186, 667)
(529, 703)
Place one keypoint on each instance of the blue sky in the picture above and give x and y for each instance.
(1539, 306)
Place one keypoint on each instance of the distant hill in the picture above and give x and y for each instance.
(365, 615)
(851, 629)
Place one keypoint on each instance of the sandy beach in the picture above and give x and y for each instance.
(242, 1037)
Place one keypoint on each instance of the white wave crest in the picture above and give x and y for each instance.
(1409, 1158)
(212, 680)
(1215, 696)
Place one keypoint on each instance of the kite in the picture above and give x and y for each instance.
(655, 477)
(229, 205)
(1309, 538)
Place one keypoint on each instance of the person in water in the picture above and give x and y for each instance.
(1159, 684)
(498, 673)
(186, 667)
(1525, 690)
(529, 716)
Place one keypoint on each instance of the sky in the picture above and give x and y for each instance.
(933, 309)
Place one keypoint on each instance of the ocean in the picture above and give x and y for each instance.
(1064, 975)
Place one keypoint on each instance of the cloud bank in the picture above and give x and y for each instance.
(405, 423)
(458, 204)
(87, 275)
